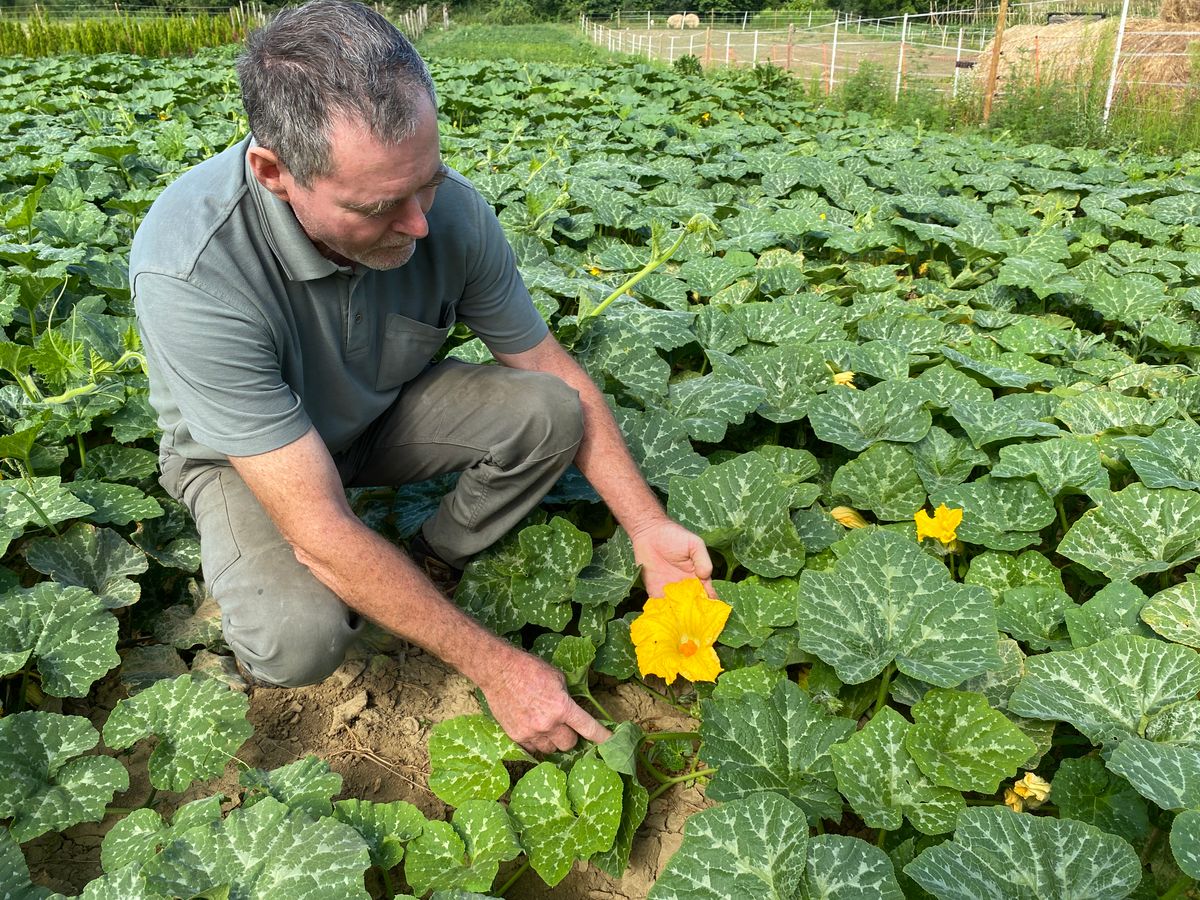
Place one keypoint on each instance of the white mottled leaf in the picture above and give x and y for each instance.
(707, 406)
(1185, 842)
(1165, 774)
(999, 513)
(1059, 465)
(199, 723)
(467, 756)
(1085, 790)
(98, 559)
(883, 479)
(997, 854)
(1116, 609)
(1175, 612)
(306, 785)
(891, 411)
(141, 834)
(1168, 458)
(386, 827)
(36, 502)
(846, 868)
(465, 853)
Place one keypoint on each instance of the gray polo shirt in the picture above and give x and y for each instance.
(252, 337)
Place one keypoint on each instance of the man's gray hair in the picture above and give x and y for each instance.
(325, 60)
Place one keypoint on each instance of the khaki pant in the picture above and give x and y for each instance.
(510, 433)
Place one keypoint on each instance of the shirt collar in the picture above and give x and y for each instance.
(298, 256)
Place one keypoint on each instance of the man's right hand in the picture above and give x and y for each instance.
(529, 698)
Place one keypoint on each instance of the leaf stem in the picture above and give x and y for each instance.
(653, 264)
(665, 699)
(149, 803)
(1062, 515)
(389, 889)
(671, 735)
(1151, 845)
(654, 771)
(82, 450)
(1177, 889)
(879, 838)
(885, 681)
(679, 779)
(22, 690)
(596, 703)
(504, 888)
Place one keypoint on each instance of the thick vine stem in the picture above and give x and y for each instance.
(885, 681)
(516, 876)
(1178, 888)
(679, 779)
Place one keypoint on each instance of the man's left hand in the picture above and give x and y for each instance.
(668, 552)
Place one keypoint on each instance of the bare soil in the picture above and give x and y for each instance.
(371, 722)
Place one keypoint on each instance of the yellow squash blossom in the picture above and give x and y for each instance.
(849, 517)
(845, 378)
(675, 634)
(1032, 789)
(1013, 801)
(942, 525)
(594, 270)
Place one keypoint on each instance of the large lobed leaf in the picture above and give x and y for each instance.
(886, 600)
(466, 759)
(199, 723)
(98, 559)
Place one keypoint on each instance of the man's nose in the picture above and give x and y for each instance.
(410, 219)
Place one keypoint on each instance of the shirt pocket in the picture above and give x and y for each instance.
(408, 346)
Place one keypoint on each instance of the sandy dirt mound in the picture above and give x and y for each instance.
(371, 722)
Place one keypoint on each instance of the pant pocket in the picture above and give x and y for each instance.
(207, 500)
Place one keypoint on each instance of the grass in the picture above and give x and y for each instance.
(51, 35)
(540, 43)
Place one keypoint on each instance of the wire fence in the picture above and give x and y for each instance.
(944, 51)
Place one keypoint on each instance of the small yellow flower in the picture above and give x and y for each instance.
(846, 379)
(821, 217)
(1012, 801)
(923, 268)
(163, 116)
(1032, 789)
(941, 525)
(851, 518)
(704, 117)
(594, 270)
(675, 634)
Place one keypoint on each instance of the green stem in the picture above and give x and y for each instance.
(150, 799)
(655, 772)
(596, 703)
(82, 450)
(654, 263)
(1151, 845)
(40, 512)
(885, 681)
(679, 779)
(1164, 580)
(21, 691)
(664, 698)
(1062, 515)
(879, 838)
(1182, 883)
(504, 888)
(671, 735)
(389, 889)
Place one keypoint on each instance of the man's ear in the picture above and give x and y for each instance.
(270, 172)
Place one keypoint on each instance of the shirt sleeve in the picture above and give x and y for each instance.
(215, 369)
(495, 303)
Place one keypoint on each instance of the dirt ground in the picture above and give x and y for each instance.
(371, 722)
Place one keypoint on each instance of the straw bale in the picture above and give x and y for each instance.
(1181, 11)
(1081, 50)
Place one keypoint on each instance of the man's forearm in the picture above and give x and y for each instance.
(376, 579)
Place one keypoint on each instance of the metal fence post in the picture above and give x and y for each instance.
(900, 57)
(1112, 78)
(833, 54)
(957, 58)
(671, 50)
(791, 37)
(754, 56)
(728, 46)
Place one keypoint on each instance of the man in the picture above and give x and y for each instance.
(291, 292)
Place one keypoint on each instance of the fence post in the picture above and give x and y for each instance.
(998, 41)
(650, 47)
(728, 46)
(745, 16)
(671, 50)
(957, 58)
(708, 46)
(691, 45)
(810, 18)
(833, 53)
(754, 57)
(900, 56)
(790, 39)
(1037, 59)
(647, 20)
(1112, 78)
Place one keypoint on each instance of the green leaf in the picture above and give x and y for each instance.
(1015, 370)
(1165, 774)
(758, 608)
(1059, 465)
(66, 630)
(1101, 411)
(1129, 299)
(466, 759)
(1175, 612)
(883, 784)
(1000, 854)
(1185, 842)
(563, 818)
(113, 462)
(617, 657)
(171, 539)
(486, 589)
(386, 827)
(574, 656)
(635, 801)
(659, 445)
(960, 742)
(126, 884)
(608, 578)
(883, 479)
(555, 554)
(1001, 514)
(1109, 689)
(45, 782)
(1035, 615)
(890, 411)
(754, 847)
(789, 375)
(306, 785)
(706, 406)
(118, 504)
(1116, 609)
(137, 837)
(1168, 458)
(998, 572)
(779, 743)
(943, 460)
(463, 854)
(264, 851)
(41, 502)
(620, 750)
(989, 422)
(1085, 790)
(886, 600)
(943, 386)
(846, 868)
(199, 723)
(740, 505)
(14, 873)
(94, 558)
(1043, 277)
(1135, 532)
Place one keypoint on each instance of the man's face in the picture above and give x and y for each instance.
(370, 209)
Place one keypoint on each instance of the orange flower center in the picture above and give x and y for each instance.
(688, 648)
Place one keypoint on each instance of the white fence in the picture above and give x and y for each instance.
(942, 51)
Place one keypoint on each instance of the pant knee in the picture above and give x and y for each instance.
(552, 416)
(294, 651)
